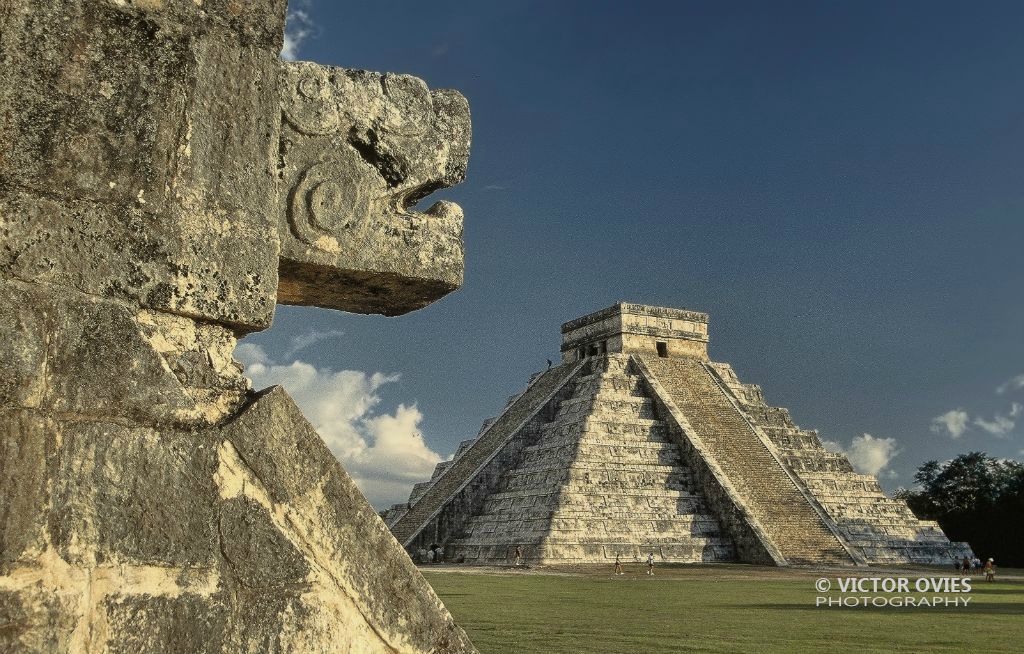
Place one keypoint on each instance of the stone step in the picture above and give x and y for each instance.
(439, 469)
(697, 550)
(606, 384)
(763, 484)
(612, 505)
(594, 485)
(486, 445)
(611, 408)
(605, 430)
(463, 446)
(684, 524)
(601, 458)
(569, 493)
(597, 480)
(585, 451)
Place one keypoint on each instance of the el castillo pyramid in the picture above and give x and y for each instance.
(638, 443)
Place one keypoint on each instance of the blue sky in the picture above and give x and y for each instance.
(840, 185)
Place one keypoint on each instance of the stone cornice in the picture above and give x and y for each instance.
(638, 331)
(636, 310)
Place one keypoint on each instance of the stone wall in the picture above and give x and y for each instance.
(154, 207)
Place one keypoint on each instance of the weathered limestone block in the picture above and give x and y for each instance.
(272, 456)
(358, 150)
(149, 500)
(24, 484)
(248, 537)
(142, 143)
(78, 354)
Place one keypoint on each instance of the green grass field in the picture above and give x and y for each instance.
(714, 609)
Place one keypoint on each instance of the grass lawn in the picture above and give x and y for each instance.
(718, 608)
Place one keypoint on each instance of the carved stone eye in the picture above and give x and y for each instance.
(310, 87)
(331, 203)
(335, 200)
(309, 102)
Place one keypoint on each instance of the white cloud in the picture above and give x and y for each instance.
(957, 421)
(385, 453)
(311, 337)
(298, 28)
(869, 455)
(998, 426)
(833, 446)
(1012, 384)
(954, 422)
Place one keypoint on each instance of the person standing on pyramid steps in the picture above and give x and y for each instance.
(618, 565)
(650, 563)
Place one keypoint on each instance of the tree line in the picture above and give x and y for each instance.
(977, 499)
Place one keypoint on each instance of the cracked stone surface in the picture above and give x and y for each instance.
(358, 150)
(165, 181)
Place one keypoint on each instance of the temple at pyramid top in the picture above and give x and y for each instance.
(636, 328)
(639, 445)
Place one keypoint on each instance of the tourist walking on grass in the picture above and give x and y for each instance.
(519, 555)
(618, 565)
(650, 564)
(990, 570)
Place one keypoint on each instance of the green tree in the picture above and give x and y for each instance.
(975, 498)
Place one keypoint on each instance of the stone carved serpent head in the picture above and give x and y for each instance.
(357, 151)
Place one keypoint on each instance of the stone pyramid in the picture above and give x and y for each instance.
(637, 443)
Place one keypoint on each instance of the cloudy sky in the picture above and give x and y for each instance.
(840, 185)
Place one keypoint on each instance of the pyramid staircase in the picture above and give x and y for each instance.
(603, 480)
(797, 528)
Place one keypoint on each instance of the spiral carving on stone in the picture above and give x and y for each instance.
(330, 199)
(311, 106)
